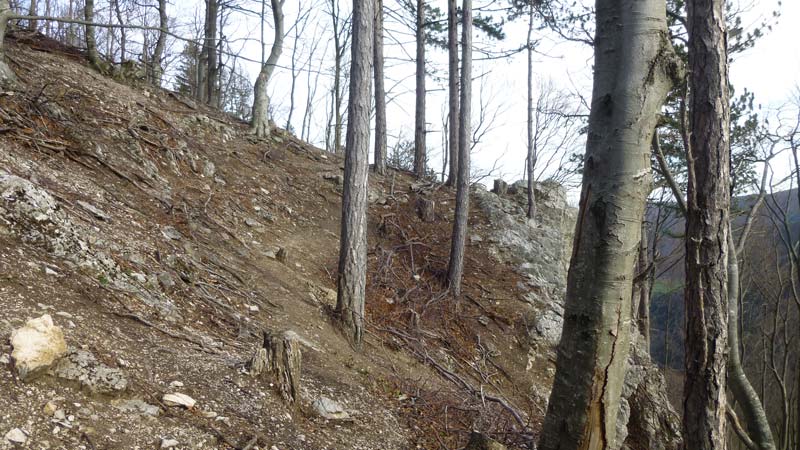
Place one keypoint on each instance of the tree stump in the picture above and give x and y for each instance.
(426, 209)
(279, 356)
(479, 441)
(282, 255)
(500, 187)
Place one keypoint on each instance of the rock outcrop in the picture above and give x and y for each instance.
(541, 251)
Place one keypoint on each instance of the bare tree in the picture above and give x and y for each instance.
(380, 93)
(452, 90)
(259, 125)
(706, 294)
(455, 268)
(340, 40)
(420, 156)
(157, 70)
(91, 44)
(33, 10)
(635, 67)
(6, 74)
(352, 275)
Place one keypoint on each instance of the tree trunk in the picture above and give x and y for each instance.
(91, 44)
(456, 266)
(635, 67)
(531, 159)
(158, 52)
(33, 9)
(352, 274)
(123, 37)
(452, 90)
(643, 310)
(280, 356)
(758, 428)
(211, 76)
(420, 153)
(380, 93)
(7, 76)
(707, 229)
(259, 124)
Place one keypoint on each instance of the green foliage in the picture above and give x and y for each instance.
(188, 61)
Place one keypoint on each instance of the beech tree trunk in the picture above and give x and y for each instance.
(452, 90)
(259, 124)
(91, 44)
(635, 67)
(157, 70)
(352, 275)
(7, 76)
(380, 93)
(460, 223)
(531, 159)
(708, 204)
(420, 153)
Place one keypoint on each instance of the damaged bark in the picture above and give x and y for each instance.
(635, 67)
(280, 357)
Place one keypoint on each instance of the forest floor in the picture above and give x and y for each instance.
(182, 221)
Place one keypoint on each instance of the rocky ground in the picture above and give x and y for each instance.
(152, 240)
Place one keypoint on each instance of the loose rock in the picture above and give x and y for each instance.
(37, 345)
(178, 399)
(329, 409)
(16, 436)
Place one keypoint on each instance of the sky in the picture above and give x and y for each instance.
(770, 70)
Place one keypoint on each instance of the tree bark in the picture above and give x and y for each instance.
(259, 124)
(452, 90)
(158, 53)
(643, 310)
(380, 93)
(33, 9)
(707, 238)
(91, 44)
(353, 241)
(420, 153)
(280, 356)
(635, 67)
(7, 76)
(208, 91)
(758, 428)
(460, 223)
(531, 159)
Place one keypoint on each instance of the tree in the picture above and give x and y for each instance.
(91, 44)
(452, 90)
(341, 36)
(708, 192)
(33, 8)
(419, 115)
(209, 64)
(455, 267)
(259, 124)
(635, 67)
(532, 156)
(157, 71)
(352, 275)
(380, 93)
(6, 74)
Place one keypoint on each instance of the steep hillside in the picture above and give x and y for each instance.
(163, 240)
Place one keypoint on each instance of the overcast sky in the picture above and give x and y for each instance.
(770, 70)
